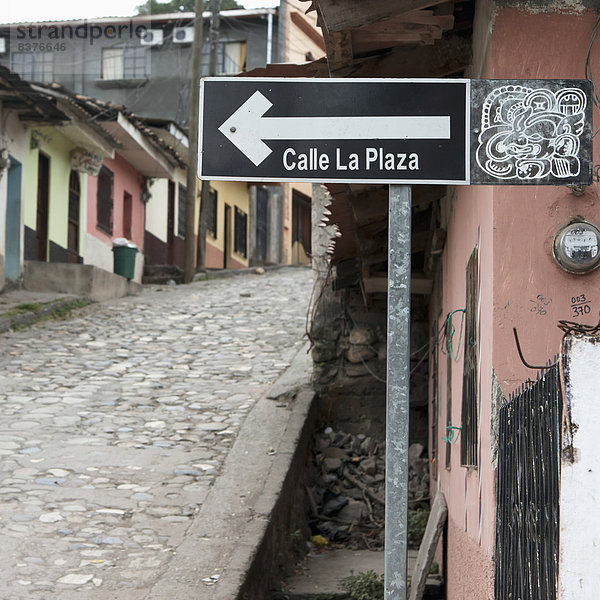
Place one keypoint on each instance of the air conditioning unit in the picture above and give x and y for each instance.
(152, 37)
(2, 45)
(183, 35)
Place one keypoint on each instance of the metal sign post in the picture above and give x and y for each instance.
(398, 367)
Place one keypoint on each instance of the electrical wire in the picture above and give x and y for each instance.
(450, 330)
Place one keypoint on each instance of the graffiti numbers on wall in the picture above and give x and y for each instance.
(539, 305)
(580, 306)
(531, 133)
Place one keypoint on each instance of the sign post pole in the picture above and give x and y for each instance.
(397, 412)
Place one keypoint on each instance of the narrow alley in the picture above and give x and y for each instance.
(116, 423)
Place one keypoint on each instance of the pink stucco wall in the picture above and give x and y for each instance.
(471, 223)
(126, 179)
(518, 277)
(526, 219)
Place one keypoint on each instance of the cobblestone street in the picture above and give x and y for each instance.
(115, 424)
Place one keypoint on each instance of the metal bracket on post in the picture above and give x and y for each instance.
(398, 369)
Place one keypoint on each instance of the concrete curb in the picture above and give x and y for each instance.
(47, 310)
(222, 545)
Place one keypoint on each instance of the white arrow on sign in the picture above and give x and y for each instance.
(247, 128)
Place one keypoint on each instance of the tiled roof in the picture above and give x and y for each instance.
(104, 110)
(31, 104)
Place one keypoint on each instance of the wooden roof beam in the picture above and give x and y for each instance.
(339, 15)
(450, 55)
(340, 53)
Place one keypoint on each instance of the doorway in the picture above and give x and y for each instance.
(261, 232)
(43, 203)
(301, 229)
(73, 219)
(171, 224)
(127, 216)
(12, 264)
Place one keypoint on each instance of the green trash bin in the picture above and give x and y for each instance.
(124, 261)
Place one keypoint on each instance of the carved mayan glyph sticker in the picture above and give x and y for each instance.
(530, 133)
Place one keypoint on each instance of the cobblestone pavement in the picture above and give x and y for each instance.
(114, 425)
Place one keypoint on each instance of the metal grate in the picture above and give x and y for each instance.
(527, 511)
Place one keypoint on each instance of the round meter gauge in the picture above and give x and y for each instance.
(577, 247)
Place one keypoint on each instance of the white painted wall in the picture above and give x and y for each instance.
(579, 555)
(95, 252)
(158, 205)
(100, 255)
(157, 209)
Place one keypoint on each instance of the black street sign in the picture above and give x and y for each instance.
(326, 130)
(395, 131)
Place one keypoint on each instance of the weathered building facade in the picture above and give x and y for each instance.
(144, 63)
(483, 275)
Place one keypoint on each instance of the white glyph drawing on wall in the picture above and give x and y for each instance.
(531, 133)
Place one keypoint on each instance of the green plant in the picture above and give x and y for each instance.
(417, 521)
(64, 311)
(23, 308)
(364, 586)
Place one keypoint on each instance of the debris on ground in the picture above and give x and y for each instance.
(347, 499)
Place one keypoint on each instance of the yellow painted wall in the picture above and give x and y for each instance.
(57, 148)
(234, 194)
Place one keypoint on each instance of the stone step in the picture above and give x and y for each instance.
(162, 274)
(161, 279)
(321, 573)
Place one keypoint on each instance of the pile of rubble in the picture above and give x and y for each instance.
(347, 499)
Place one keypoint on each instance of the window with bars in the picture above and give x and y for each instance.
(104, 200)
(34, 66)
(211, 225)
(470, 393)
(240, 226)
(181, 202)
(126, 62)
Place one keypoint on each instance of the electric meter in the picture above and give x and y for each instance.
(577, 247)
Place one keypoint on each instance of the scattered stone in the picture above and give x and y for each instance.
(332, 464)
(187, 471)
(75, 579)
(74, 508)
(141, 496)
(52, 517)
(50, 480)
(359, 354)
(362, 336)
(369, 465)
(353, 511)
(59, 472)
